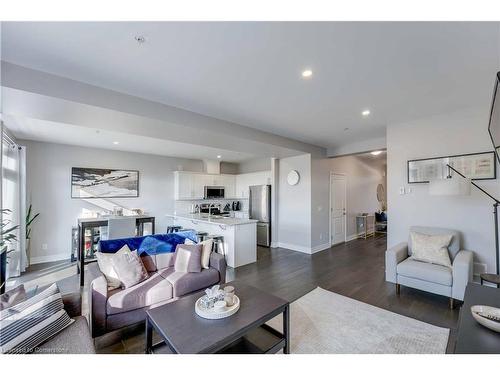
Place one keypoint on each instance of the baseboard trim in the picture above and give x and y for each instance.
(49, 258)
(319, 248)
(351, 237)
(289, 246)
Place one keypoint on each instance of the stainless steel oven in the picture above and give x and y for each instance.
(214, 192)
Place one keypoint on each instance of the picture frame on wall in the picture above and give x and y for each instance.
(88, 183)
(476, 166)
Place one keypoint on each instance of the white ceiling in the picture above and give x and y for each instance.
(47, 131)
(250, 72)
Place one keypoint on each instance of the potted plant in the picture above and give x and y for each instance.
(7, 237)
(29, 222)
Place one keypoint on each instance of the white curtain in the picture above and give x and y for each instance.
(14, 199)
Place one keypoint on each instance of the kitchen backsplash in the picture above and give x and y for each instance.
(184, 207)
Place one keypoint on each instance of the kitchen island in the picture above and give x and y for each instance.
(240, 235)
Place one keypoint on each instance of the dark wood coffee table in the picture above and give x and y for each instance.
(184, 332)
(472, 337)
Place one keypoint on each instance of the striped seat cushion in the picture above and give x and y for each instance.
(27, 325)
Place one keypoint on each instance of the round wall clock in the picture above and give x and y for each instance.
(293, 177)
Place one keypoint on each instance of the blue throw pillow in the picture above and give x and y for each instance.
(152, 246)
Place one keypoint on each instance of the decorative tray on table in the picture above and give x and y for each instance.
(213, 313)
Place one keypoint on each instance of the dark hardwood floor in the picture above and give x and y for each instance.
(354, 269)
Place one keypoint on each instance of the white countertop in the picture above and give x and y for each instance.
(213, 220)
(106, 217)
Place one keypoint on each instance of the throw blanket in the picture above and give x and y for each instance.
(152, 244)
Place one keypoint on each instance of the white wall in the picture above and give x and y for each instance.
(48, 186)
(456, 133)
(254, 165)
(362, 181)
(358, 147)
(294, 208)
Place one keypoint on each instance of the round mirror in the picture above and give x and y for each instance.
(293, 177)
(380, 193)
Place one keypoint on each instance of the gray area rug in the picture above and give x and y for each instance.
(326, 322)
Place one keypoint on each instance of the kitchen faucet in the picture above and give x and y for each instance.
(210, 209)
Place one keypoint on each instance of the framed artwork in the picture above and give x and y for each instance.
(477, 166)
(104, 183)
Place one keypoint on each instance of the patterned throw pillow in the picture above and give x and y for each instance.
(431, 248)
(129, 267)
(12, 297)
(25, 326)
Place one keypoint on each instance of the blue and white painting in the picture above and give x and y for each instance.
(104, 183)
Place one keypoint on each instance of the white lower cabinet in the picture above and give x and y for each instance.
(240, 241)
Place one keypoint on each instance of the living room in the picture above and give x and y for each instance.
(244, 187)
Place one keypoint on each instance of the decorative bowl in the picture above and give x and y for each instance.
(481, 313)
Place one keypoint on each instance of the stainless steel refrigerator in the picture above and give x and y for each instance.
(260, 209)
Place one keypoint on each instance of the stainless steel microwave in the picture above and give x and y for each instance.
(214, 192)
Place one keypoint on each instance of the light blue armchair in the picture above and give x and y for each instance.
(450, 282)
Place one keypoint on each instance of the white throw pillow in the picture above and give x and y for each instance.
(431, 248)
(106, 267)
(206, 250)
(129, 267)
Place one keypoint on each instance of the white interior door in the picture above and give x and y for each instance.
(338, 208)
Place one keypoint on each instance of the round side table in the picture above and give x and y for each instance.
(490, 278)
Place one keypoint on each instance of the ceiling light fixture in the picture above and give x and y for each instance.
(307, 73)
(375, 153)
(116, 143)
(219, 156)
(366, 112)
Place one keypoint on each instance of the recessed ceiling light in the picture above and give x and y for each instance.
(307, 73)
(140, 39)
(375, 153)
(366, 112)
(116, 143)
(219, 156)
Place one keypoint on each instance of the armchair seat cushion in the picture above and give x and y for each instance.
(149, 292)
(425, 271)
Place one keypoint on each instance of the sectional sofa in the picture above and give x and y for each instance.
(114, 309)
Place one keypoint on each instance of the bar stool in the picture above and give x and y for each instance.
(201, 236)
(218, 244)
(173, 228)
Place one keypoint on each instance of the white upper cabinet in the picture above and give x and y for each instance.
(229, 183)
(245, 180)
(183, 185)
(191, 185)
(199, 182)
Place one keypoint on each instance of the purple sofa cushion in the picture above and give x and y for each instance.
(154, 290)
(184, 283)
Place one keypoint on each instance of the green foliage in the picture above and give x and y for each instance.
(29, 221)
(7, 232)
